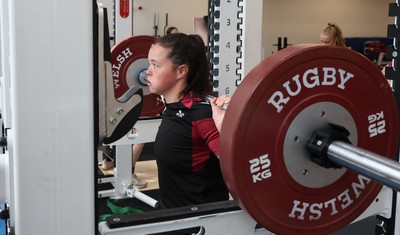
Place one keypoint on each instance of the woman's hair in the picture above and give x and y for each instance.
(336, 34)
(189, 50)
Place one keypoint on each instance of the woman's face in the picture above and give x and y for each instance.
(161, 74)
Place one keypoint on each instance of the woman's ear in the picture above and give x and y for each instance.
(183, 70)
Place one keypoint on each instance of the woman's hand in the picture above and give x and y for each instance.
(218, 106)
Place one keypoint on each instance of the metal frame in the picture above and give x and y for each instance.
(48, 87)
(123, 18)
(235, 222)
(122, 180)
(47, 105)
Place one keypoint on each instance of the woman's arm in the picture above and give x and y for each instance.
(218, 106)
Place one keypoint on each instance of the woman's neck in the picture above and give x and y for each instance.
(174, 94)
(172, 97)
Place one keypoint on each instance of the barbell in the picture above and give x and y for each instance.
(295, 120)
(297, 123)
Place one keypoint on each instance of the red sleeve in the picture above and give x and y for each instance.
(209, 132)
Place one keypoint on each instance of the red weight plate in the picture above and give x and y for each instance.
(270, 118)
(129, 63)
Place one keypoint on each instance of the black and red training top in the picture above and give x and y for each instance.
(186, 147)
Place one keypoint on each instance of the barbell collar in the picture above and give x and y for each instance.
(318, 144)
(376, 167)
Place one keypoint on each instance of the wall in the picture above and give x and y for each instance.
(180, 14)
(301, 21)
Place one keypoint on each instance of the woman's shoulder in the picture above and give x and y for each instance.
(201, 110)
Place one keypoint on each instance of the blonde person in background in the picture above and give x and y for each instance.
(331, 34)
